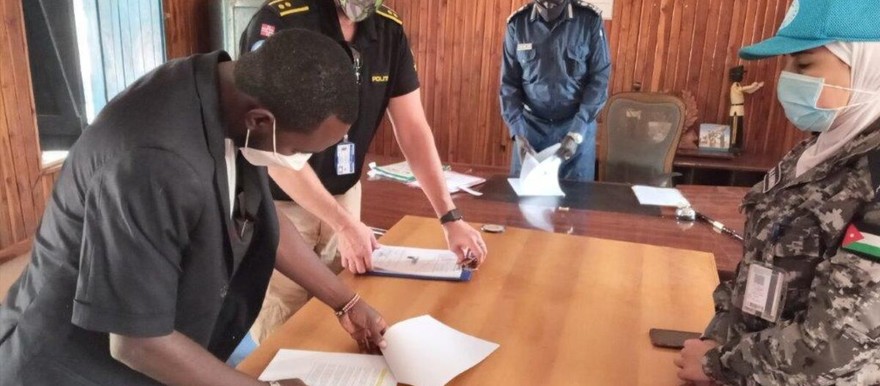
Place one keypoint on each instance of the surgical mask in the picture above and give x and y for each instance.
(358, 10)
(550, 10)
(271, 158)
(799, 95)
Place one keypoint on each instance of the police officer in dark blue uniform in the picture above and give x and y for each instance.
(554, 81)
(323, 200)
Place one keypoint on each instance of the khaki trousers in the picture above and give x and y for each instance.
(284, 297)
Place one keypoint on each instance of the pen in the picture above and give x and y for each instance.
(719, 227)
(469, 262)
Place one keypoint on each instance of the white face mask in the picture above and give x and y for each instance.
(271, 158)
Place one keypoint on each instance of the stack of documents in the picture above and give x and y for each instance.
(421, 352)
(398, 172)
(418, 263)
(401, 172)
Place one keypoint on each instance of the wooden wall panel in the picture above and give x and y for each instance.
(187, 27)
(665, 45)
(24, 185)
(19, 163)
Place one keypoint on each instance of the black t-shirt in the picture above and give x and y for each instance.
(388, 71)
(137, 238)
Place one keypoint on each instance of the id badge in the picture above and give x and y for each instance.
(765, 289)
(345, 158)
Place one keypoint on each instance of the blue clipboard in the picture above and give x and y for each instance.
(465, 275)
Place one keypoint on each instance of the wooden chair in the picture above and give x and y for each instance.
(639, 133)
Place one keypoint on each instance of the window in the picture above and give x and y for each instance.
(82, 53)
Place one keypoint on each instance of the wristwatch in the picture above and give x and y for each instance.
(452, 215)
(576, 137)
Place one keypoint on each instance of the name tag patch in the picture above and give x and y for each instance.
(524, 47)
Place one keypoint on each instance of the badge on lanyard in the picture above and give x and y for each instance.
(764, 292)
(345, 157)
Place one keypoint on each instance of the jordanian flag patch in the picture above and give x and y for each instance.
(865, 244)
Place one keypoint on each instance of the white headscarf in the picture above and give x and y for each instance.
(863, 59)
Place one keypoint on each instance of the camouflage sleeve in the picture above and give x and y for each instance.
(836, 340)
(718, 326)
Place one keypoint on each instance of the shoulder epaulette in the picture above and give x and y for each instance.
(518, 11)
(288, 7)
(389, 13)
(588, 5)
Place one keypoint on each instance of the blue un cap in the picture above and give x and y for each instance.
(815, 23)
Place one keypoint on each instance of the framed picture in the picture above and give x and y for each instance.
(714, 137)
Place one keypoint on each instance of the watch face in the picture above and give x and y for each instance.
(492, 228)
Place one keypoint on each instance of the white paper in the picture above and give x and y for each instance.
(398, 171)
(539, 175)
(439, 263)
(420, 351)
(649, 195)
(424, 352)
(455, 181)
(317, 368)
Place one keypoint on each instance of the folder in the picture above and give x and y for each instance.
(418, 263)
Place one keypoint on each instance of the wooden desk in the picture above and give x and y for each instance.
(745, 162)
(385, 203)
(565, 309)
(752, 165)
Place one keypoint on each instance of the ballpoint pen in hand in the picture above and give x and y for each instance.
(719, 227)
(470, 262)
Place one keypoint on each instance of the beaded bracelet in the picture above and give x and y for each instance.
(348, 306)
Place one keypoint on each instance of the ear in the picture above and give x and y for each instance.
(259, 119)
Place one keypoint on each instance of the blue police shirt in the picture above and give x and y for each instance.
(556, 71)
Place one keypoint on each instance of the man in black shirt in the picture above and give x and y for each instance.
(154, 253)
(327, 196)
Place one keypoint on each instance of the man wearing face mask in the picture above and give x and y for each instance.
(554, 81)
(153, 255)
(804, 307)
(326, 199)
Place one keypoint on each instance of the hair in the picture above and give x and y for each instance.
(302, 77)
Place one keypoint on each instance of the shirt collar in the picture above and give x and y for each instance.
(366, 27)
(568, 14)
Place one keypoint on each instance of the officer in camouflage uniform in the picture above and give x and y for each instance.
(804, 308)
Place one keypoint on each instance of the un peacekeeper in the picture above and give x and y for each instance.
(804, 308)
(153, 255)
(326, 198)
(554, 81)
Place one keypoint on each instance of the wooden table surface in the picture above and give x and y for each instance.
(386, 202)
(565, 309)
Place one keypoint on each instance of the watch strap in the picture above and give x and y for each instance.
(452, 215)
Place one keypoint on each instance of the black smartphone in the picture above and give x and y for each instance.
(671, 338)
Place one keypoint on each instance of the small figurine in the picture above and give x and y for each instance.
(737, 105)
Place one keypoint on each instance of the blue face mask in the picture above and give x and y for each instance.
(798, 95)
